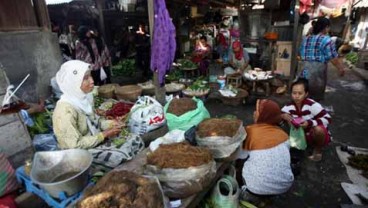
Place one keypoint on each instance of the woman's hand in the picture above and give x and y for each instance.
(304, 125)
(114, 131)
(287, 117)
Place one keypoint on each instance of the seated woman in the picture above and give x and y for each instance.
(267, 170)
(315, 118)
(238, 60)
(201, 55)
(75, 123)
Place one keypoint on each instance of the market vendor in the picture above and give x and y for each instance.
(201, 55)
(74, 121)
(267, 169)
(238, 60)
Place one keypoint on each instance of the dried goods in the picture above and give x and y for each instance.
(123, 189)
(179, 155)
(218, 127)
(179, 106)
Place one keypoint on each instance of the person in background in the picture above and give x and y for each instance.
(142, 46)
(315, 119)
(201, 55)
(310, 31)
(266, 170)
(238, 60)
(316, 51)
(92, 49)
(75, 123)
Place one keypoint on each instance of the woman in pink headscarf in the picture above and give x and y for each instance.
(239, 60)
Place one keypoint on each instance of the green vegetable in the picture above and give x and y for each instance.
(40, 124)
(352, 57)
(121, 139)
(185, 63)
(125, 67)
(246, 204)
(98, 101)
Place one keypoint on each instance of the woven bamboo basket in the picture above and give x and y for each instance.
(128, 92)
(107, 90)
(237, 100)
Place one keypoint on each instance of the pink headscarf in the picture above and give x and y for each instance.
(237, 45)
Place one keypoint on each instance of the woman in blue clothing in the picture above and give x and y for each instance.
(316, 51)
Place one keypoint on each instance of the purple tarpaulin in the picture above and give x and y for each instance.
(163, 42)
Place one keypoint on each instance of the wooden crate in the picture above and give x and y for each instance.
(283, 66)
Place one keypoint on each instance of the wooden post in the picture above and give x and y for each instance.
(100, 4)
(159, 91)
(296, 36)
(42, 14)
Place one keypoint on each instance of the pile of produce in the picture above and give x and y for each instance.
(186, 64)
(98, 101)
(119, 109)
(123, 189)
(199, 88)
(218, 127)
(125, 67)
(174, 75)
(352, 57)
(360, 161)
(179, 106)
(179, 155)
(41, 121)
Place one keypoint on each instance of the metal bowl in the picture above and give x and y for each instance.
(61, 172)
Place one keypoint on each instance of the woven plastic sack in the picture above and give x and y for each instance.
(182, 183)
(223, 146)
(8, 181)
(188, 119)
(226, 193)
(146, 115)
(297, 138)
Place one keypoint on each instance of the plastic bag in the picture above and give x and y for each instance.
(181, 183)
(103, 74)
(146, 115)
(297, 138)
(223, 146)
(188, 119)
(45, 142)
(226, 193)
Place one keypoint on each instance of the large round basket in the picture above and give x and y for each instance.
(107, 90)
(237, 100)
(128, 92)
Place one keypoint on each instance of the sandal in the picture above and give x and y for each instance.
(315, 157)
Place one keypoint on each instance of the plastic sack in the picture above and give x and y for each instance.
(174, 136)
(146, 115)
(45, 142)
(188, 119)
(226, 193)
(181, 183)
(297, 138)
(108, 156)
(223, 146)
(8, 181)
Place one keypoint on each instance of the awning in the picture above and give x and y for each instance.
(50, 2)
(361, 4)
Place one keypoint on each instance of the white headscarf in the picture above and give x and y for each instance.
(70, 78)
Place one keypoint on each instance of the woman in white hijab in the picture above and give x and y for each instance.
(75, 123)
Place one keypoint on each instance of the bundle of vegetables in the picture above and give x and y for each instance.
(123, 189)
(120, 140)
(352, 57)
(174, 75)
(186, 64)
(119, 109)
(125, 67)
(40, 121)
(98, 101)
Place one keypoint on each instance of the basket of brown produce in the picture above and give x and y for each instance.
(107, 90)
(123, 189)
(182, 169)
(184, 113)
(128, 92)
(221, 135)
(234, 100)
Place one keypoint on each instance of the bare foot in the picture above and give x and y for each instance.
(316, 157)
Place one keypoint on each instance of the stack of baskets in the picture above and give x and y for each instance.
(107, 90)
(237, 100)
(128, 92)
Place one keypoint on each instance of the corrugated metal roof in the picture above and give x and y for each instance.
(362, 4)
